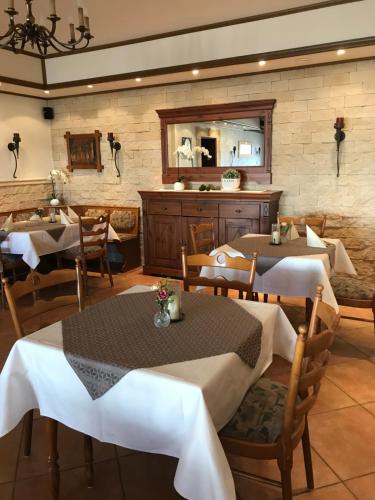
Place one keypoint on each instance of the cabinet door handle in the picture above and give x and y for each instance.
(238, 211)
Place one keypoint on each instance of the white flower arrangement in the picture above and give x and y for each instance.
(56, 174)
(186, 152)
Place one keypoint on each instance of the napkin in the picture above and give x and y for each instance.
(8, 224)
(313, 239)
(72, 215)
(65, 219)
(293, 233)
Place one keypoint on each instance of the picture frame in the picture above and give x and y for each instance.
(84, 151)
(244, 148)
(188, 141)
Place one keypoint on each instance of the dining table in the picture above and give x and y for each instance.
(292, 269)
(33, 239)
(176, 407)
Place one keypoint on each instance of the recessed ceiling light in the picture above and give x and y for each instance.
(341, 52)
(46, 91)
(195, 72)
(90, 86)
(301, 59)
(262, 63)
(138, 80)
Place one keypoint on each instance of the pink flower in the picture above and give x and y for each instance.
(163, 294)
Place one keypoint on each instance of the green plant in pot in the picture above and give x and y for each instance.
(231, 180)
(179, 185)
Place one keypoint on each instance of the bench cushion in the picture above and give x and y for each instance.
(259, 419)
(353, 287)
(122, 221)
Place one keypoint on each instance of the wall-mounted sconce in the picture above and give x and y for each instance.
(15, 148)
(339, 137)
(115, 146)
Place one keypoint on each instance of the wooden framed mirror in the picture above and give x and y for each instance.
(200, 142)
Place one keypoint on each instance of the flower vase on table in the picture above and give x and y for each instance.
(162, 318)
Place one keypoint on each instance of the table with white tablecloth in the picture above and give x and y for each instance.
(294, 276)
(174, 409)
(31, 245)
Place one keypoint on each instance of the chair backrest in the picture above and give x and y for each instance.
(317, 223)
(93, 232)
(35, 282)
(221, 261)
(322, 314)
(202, 237)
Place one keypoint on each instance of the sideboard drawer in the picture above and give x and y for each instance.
(157, 207)
(200, 209)
(240, 210)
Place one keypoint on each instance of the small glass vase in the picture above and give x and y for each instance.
(162, 318)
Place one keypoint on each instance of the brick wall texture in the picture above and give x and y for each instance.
(303, 154)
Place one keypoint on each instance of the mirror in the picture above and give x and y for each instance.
(217, 143)
(199, 142)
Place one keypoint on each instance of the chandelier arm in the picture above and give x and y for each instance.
(68, 45)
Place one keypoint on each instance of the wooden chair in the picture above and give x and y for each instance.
(220, 260)
(93, 237)
(317, 223)
(354, 291)
(9, 263)
(272, 419)
(202, 237)
(31, 287)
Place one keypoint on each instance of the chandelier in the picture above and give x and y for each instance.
(21, 34)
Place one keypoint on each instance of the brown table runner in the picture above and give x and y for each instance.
(270, 255)
(54, 230)
(105, 342)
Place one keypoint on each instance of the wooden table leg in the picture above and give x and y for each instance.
(53, 459)
(89, 461)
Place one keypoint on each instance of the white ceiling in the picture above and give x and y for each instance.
(118, 20)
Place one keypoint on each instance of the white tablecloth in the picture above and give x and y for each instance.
(292, 276)
(174, 410)
(33, 244)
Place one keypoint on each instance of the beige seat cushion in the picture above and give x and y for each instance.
(126, 236)
(95, 212)
(122, 221)
(72, 253)
(353, 287)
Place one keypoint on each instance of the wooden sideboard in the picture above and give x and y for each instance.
(167, 215)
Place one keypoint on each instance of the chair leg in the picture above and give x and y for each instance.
(109, 270)
(53, 459)
(279, 298)
(28, 430)
(2, 291)
(101, 267)
(265, 297)
(85, 279)
(89, 464)
(286, 479)
(307, 457)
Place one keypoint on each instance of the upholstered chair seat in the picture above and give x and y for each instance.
(353, 287)
(259, 418)
(75, 251)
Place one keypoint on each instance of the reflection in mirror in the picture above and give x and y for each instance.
(237, 142)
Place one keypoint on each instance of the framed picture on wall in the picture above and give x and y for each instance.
(84, 151)
(187, 141)
(244, 148)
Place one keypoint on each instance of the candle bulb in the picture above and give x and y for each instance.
(80, 16)
(11, 4)
(53, 7)
(72, 35)
(87, 24)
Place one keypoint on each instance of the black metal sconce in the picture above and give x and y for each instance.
(339, 137)
(115, 146)
(15, 148)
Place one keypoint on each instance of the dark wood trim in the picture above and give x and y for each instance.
(205, 27)
(24, 52)
(280, 54)
(267, 195)
(23, 83)
(246, 109)
(44, 72)
(8, 92)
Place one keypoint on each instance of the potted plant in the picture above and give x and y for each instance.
(230, 180)
(54, 176)
(179, 185)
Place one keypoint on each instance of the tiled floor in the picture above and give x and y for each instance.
(342, 428)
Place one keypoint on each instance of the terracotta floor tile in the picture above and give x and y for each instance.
(337, 491)
(9, 446)
(363, 487)
(269, 469)
(149, 476)
(356, 378)
(359, 334)
(331, 398)
(73, 485)
(342, 351)
(279, 365)
(6, 491)
(70, 450)
(370, 407)
(344, 439)
(249, 489)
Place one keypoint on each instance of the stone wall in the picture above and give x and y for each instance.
(15, 195)
(303, 157)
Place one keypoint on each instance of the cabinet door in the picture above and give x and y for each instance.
(164, 241)
(197, 220)
(231, 229)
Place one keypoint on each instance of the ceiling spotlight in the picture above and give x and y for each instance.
(138, 79)
(195, 72)
(46, 91)
(90, 86)
(262, 63)
(341, 52)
